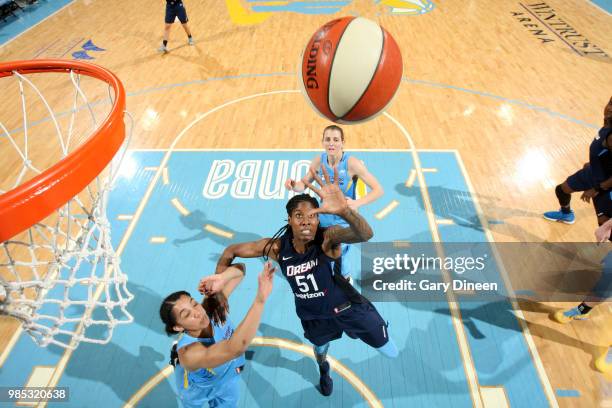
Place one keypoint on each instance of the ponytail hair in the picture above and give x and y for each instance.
(215, 306)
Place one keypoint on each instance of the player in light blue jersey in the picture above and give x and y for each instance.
(209, 354)
(350, 170)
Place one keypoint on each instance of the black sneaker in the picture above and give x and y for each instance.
(326, 384)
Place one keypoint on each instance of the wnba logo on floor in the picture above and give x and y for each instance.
(247, 179)
(247, 14)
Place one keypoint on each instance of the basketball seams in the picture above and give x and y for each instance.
(331, 66)
(378, 69)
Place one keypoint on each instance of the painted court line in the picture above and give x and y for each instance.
(180, 207)
(604, 7)
(387, 210)
(218, 231)
(359, 386)
(411, 178)
(165, 176)
(568, 393)
(405, 79)
(494, 397)
(9, 347)
(453, 305)
(548, 390)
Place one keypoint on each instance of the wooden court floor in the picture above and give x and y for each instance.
(502, 82)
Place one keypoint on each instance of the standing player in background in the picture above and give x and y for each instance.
(594, 178)
(174, 9)
(325, 302)
(350, 170)
(602, 293)
(209, 355)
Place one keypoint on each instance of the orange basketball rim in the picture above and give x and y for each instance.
(35, 199)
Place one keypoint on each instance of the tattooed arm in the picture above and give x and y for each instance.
(358, 231)
(253, 249)
(334, 202)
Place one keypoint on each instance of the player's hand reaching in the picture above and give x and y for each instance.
(353, 204)
(211, 284)
(333, 200)
(587, 195)
(265, 280)
(603, 232)
(290, 184)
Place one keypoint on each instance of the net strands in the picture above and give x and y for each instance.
(61, 278)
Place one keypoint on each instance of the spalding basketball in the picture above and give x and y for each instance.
(351, 69)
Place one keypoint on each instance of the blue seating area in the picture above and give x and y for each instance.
(9, 7)
(17, 16)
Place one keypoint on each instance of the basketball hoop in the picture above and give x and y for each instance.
(59, 273)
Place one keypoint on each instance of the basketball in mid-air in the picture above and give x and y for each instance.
(351, 69)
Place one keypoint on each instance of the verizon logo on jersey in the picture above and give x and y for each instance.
(293, 270)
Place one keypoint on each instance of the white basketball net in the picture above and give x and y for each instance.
(61, 278)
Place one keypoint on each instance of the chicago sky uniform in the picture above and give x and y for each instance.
(217, 386)
(346, 184)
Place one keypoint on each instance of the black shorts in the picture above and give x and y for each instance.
(174, 10)
(359, 321)
(603, 204)
(582, 180)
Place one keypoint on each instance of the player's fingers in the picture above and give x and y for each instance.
(326, 175)
(316, 177)
(271, 272)
(313, 211)
(336, 175)
(202, 284)
(313, 188)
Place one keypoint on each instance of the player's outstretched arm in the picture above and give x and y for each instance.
(359, 169)
(253, 249)
(603, 232)
(358, 231)
(299, 186)
(196, 356)
(224, 282)
(334, 202)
